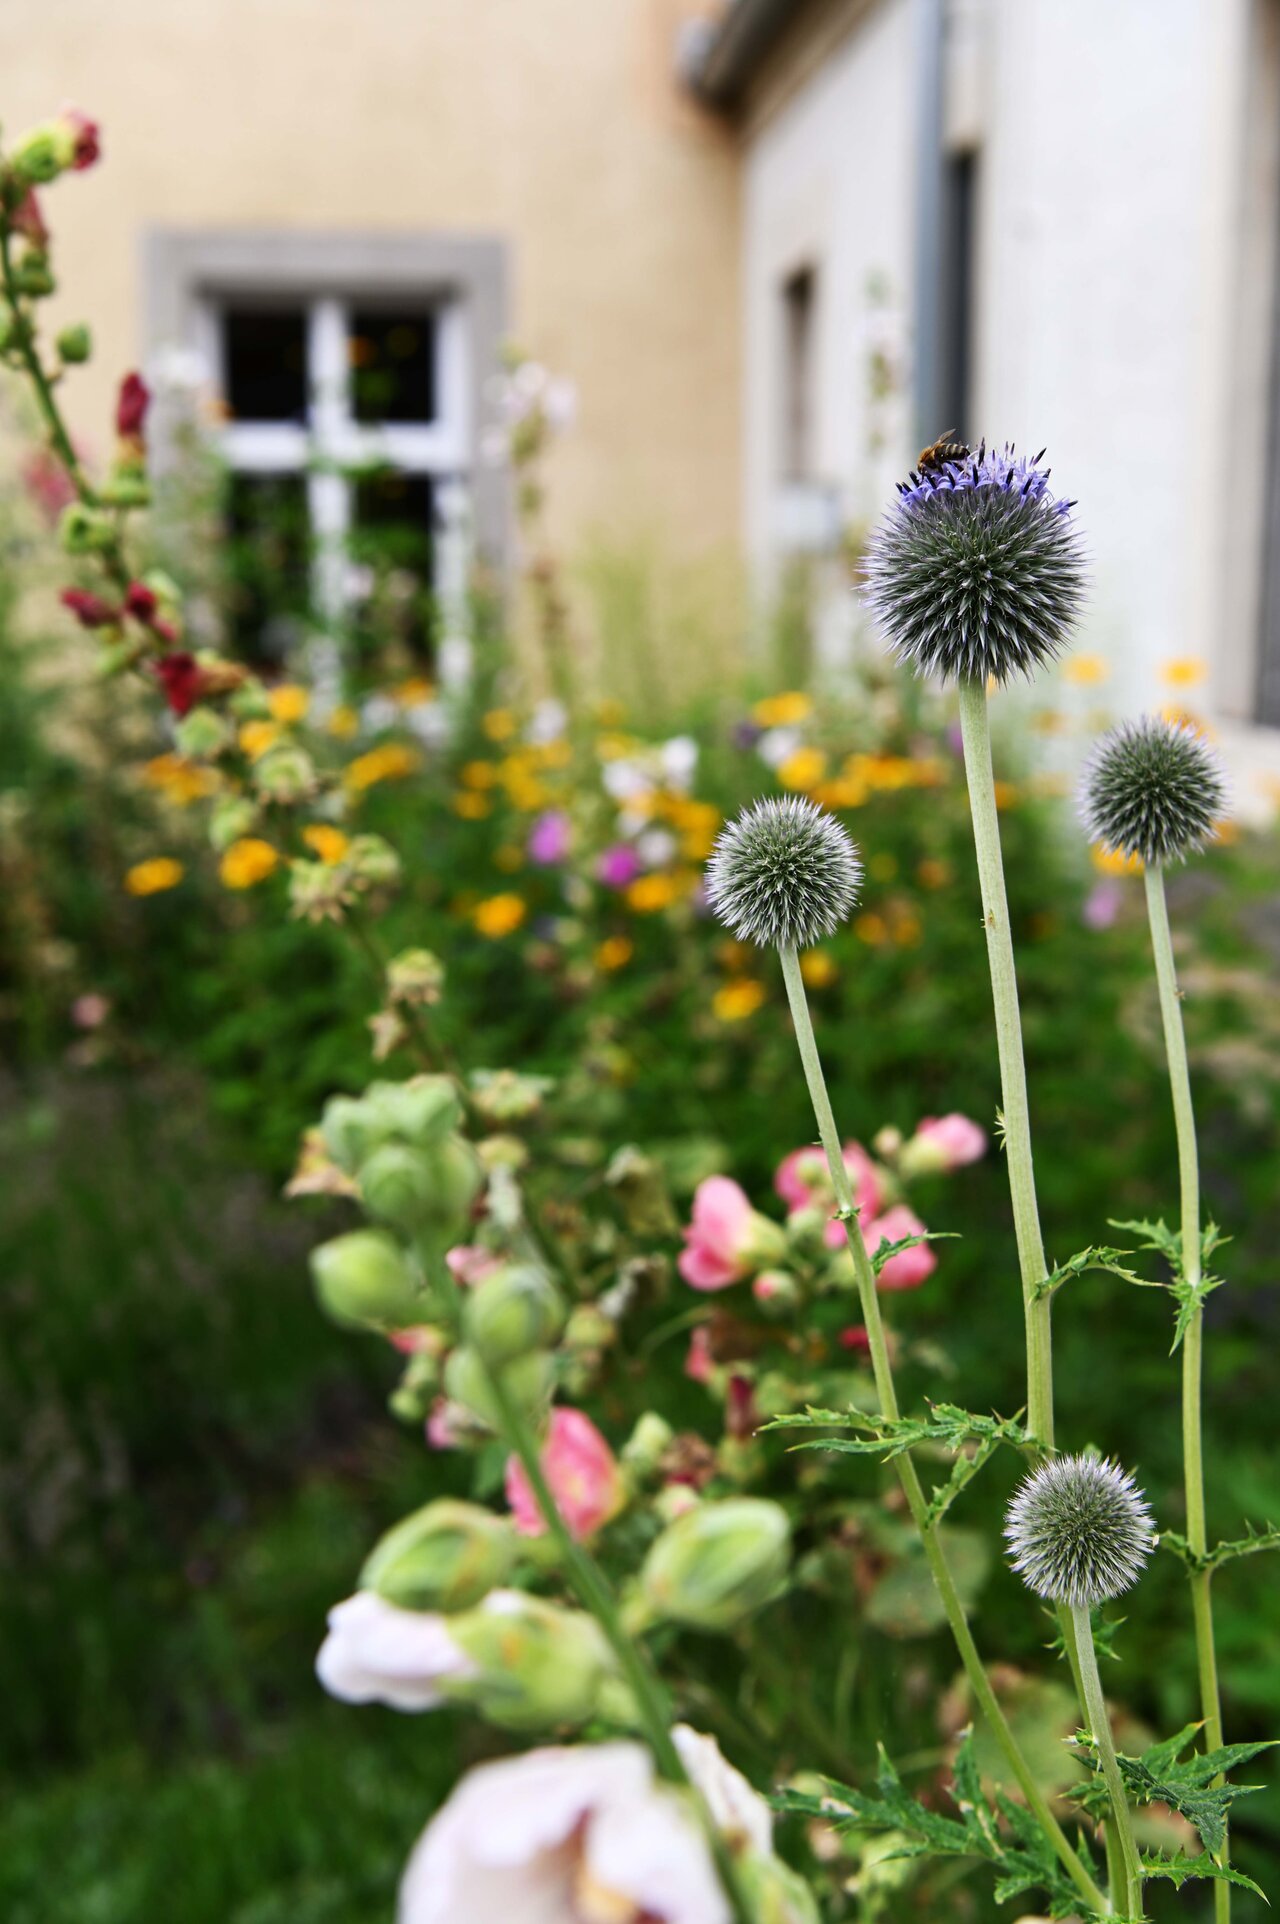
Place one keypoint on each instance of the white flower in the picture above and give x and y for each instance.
(624, 779)
(679, 758)
(579, 1836)
(776, 744)
(429, 721)
(379, 712)
(656, 847)
(376, 1653)
(560, 404)
(547, 723)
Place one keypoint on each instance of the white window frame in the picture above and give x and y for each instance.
(193, 276)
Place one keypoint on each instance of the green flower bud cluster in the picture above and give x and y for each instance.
(445, 1556)
(536, 1663)
(718, 1563)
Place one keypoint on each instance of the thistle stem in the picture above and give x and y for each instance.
(1100, 1730)
(1175, 1044)
(975, 729)
(882, 1369)
(589, 1585)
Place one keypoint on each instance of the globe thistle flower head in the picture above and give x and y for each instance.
(785, 874)
(1152, 788)
(1078, 1530)
(976, 570)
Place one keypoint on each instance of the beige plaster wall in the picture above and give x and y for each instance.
(555, 123)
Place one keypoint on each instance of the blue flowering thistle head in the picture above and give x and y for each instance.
(976, 570)
(785, 874)
(1078, 1530)
(1152, 788)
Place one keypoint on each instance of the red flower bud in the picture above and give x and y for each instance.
(179, 676)
(131, 407)
(29, 221)
(86, 135)
(91, 611)
(855, 1338)
(140, 601)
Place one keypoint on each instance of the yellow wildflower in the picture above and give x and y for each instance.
(1086, 671)
(871, 929)
(499, 724)
(288, 703)
(387, 763)
(1109, 861)
(734, 956)
(649, 893)
(906, 927)
(818, 967)
(1185, 672)
(844, 792)
(803, 769)
(499, 915)
(247, 862)
(470, 806)
(1006, 794)
(933, 874)
(783, 711)
(614, 953)
(151, 877)
(698, 823)
(329, 843)
(256, 737)
(610, 713)
(1225, 830)
(179, 780)
(344, 722)
(478, 774)
(416, 689)
(737, 1000)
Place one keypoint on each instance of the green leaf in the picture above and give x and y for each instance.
(1179, 1867)
(972, 1440)
(1254, 1540)
(1187, 1786)
(887, 1251)
(1096, 1257)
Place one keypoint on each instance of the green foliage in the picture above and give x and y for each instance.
(971, 1439)
(1163, 1775)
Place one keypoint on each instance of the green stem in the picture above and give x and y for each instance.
(882, 1368)
(588, 1584)
(976, 731)
(1175, 1044)
(1100, 1730)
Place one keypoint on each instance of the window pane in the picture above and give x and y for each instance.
(392, 544)
(265, 352)
(393, 365)
(268, 562)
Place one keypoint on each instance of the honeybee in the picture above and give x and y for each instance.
(939, 452)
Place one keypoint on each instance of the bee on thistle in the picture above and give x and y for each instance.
(941, 452)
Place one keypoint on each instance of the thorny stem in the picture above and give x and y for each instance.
(1100, 1730)
(1175, 1044)
(912, 1489)
(588, 1584)
(976, 731)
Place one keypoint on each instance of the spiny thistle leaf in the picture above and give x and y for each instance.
(971, 1439)
(887, 1251)
(1187, 1787)
(1094, 1258)
(1078, 1530)
(1152, 788)
(1249, 1545)
(976, 569)
(1179, 1867)
(784, 875)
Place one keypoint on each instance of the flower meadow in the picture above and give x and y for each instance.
(762, 1522)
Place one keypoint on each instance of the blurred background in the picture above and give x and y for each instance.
(531, 372)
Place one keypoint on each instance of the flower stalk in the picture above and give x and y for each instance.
(1193, 1341)
(882, 1369)
(1100, 1731)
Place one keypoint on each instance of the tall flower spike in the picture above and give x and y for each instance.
(976, 570)
(784, 874)
(1078, 1530)
(1152, 788)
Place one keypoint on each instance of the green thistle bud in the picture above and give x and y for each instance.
(75, 345)
(538, 1664)
(529, 1381)
(364, 1282)
(1152, 788)
(515, 1309)
(284, 774)
(446, 1556)
(784, 875)
(719, 1563)
(1078, 1530)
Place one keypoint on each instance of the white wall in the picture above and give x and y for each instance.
(1125, 272)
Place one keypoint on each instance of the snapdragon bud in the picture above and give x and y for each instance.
(364, 1282)
(719, 1564)
(536, 1663)
(446, 1556)
(85, 530)
(515, 1309)
(423, 1110)
(528, 1381)
(421, 1192)
(648, 1443)
(75, 345)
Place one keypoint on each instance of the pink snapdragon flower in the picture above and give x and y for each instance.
(727, 1239)
(582, 1474)
(909, 1268)
(699, 1363)
(470, 1263)
(803, 1181)
(618, 866)
(943, 1143)
(549, 838)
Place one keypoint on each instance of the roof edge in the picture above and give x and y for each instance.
(731, 53)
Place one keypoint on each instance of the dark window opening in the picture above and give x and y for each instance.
(268, 561)
(393, 365)
(799, 308)
(392, 539)
(265, 355)
(956, 296)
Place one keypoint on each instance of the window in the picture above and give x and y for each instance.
(799, 304)
(956, 293)
(351, 370)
